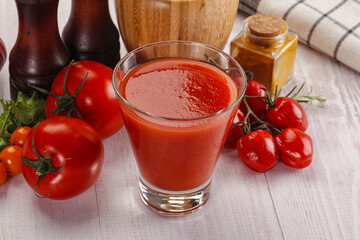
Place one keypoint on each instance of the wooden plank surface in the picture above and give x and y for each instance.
(319, 202)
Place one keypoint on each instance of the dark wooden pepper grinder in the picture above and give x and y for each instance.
(91, 34)
(39, 52)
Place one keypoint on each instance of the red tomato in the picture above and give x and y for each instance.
(96, 101)
(257, 150)
(294, 148)
(2, 54)
(3, 174)
(235, 131)
(258, 107)
(286, 113)
(74, 154)
(10, 157)
(19, 135)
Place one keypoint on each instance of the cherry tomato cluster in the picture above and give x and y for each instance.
(268, 127)
(10, 161)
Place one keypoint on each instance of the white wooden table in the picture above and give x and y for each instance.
(319, 202)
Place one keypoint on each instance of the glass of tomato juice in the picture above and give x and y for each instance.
(178, 101)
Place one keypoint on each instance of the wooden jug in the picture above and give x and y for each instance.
(146, 21)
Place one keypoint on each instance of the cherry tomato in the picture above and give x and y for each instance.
(3, 174)
(19, 135)
(72, 152)
(257, 150)
(286, 113)
(258, 107)
(235, 131)
(10, 157)
(96, 100)
(294, 148)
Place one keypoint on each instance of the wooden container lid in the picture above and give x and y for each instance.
(264, 25)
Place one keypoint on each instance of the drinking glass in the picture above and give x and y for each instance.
(176, 157)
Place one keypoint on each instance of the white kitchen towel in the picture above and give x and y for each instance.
(330, 26)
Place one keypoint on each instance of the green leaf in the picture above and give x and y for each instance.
(29, 111)
(3, 144)
(5, 135)
(26, 111)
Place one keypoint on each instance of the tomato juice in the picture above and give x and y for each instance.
(172, 118)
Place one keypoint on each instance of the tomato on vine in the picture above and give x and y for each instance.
(257, 150)
(254, 94)
(294, 148)
(235, 131)
(287, 120)
(286, 112)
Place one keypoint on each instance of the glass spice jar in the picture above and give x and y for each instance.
(266, 48)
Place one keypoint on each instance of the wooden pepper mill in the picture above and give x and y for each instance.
(39, 53)
(91, 34)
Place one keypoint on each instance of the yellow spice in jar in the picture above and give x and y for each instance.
(267, 49)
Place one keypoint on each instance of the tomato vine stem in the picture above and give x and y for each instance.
(256, 117)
